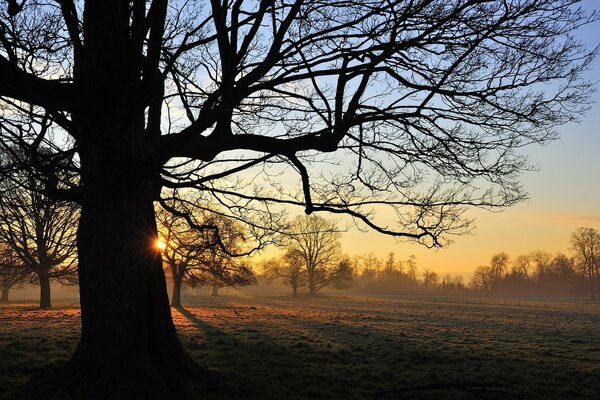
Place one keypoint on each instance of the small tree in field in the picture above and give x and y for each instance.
(40, 233)
(316, 241)
(197, 257)
(290, 268)
(11, 273)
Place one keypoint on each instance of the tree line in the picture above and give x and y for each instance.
(37, 246)
(541, 272)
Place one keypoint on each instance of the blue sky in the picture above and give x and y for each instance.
(564, 195)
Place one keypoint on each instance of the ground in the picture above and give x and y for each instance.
(352, 347)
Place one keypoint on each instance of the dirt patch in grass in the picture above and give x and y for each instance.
(348, 348)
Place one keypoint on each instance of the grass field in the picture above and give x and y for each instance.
(353, 348)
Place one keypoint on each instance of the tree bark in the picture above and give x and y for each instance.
(312, 288)
(128, 344)
(176, 296)
(4, 297)
(214, 291)
(44, 279)
(127, 336)
(295, 291)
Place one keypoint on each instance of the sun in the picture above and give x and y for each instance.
(161, 244)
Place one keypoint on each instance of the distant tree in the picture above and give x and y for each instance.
(522, 266)
(561, 267)
(585, 244)
(180, 246)
(290, 267)
(452, 283)
(317, 240)
(482, 278)
(11, 273)
(498, 267)
(430, 279)
(40, 231)
(198, 257)
(411, 265)
(342, 276)
(458, 282)
(370, 265)
(219, 267)
(541, 260)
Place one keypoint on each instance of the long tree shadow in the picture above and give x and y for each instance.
(201, 325)
(292, 356)
(259, 366)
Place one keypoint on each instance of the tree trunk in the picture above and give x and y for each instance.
(129, 345)
(176, 296)
(295, 291)
(128, 339)
(4, 297)
(128, 335)
(312, 289)
(214, 291)
(44, 279)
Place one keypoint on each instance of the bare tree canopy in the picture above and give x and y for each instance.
(585, 244)
(198, 258)
(317, 241)
(290, 268)
(417, 108)
(40, 232)
(12, 273)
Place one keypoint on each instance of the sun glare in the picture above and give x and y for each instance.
(161, 244)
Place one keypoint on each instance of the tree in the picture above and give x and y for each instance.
(522, 266)
(218, 268)
(370, 267)
(411, 265)
(317, 241)
(11, 273)
(290, 267)
(40, 232)
(541, 260)
(430, 279)
(482, 278)
(421, 104)
(585, 244)
(198, 258)
(498, 267)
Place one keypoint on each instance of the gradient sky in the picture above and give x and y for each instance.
(564, 194)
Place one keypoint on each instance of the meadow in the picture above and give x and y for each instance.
(353, 347)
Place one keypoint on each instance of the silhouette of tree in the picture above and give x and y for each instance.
(585, 244)
(482, 278)
(430, 279)
(11, 273)
(418, 106)
(317, 241)
(498, 267)
(199, 258)
(218, 268)
(290, 267)
(40, 232)
(541, 260)
(522, 266)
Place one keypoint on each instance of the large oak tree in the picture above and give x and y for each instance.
(417, 108)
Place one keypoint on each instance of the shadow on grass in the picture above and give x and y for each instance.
(259, 366)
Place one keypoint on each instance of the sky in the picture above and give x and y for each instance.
(564, 194)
